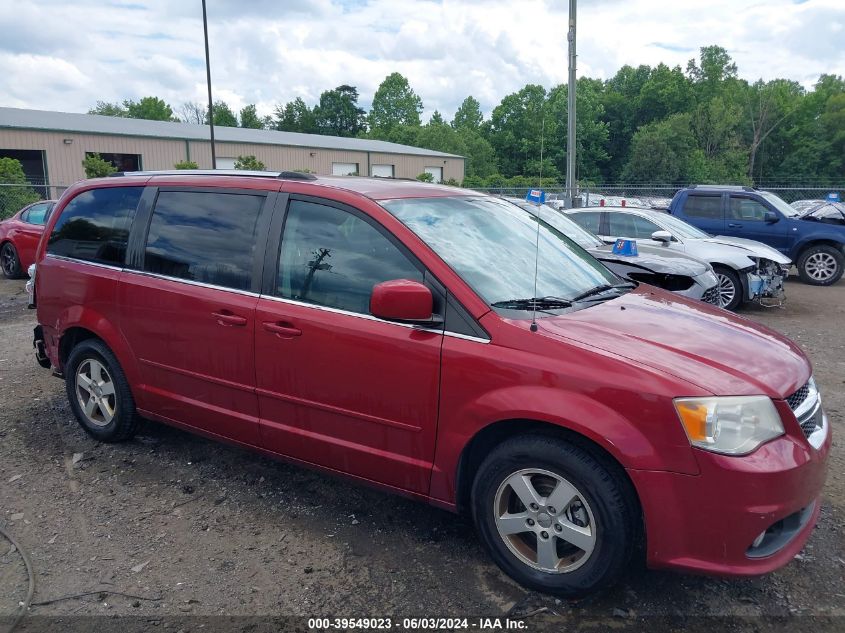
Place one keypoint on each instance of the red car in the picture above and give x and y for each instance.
(19, 236)
(397, 333)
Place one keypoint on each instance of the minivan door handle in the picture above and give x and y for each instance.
(224, 317)
(282, 329)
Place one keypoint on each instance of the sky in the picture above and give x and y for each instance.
(60, 55)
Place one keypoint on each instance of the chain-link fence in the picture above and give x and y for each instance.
(652, 195)
(13, 197)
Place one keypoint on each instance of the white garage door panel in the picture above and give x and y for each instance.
(344, 169)
(437, 172)
(225, 163)
(382, 171)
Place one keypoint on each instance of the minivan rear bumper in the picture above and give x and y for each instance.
(708, 523)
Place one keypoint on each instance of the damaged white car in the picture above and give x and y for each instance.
(747, 270)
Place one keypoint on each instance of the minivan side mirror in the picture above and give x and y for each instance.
(405, 301)
(662, 236)
(770, 217)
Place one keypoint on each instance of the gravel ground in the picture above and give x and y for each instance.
(192, 528)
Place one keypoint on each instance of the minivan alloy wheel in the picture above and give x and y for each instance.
(820, 266)
(545, 521)
(95, 392)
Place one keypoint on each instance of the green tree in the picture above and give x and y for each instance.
(250, 118)
(294, 116)
(338, 113)
(394, 104)
(767, 106)
(250, 163)
(151, 108)
(714, 71)
(186, 164)
(665, 152)
(96, 167)
(468, 116)
(108, 109)
(516, 128)
(223, 115)
(12, 199)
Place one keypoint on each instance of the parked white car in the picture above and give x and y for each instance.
(747, 270)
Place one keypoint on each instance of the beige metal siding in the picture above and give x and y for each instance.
(64, 161)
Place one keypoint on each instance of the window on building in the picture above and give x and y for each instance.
(381, 171)
(205, 237)
(223, 162)
(436, 172)
(344, 169)
(704, 207)
(121, 162)
(94, 226)
(333, 258)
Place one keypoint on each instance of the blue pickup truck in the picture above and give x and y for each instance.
(815, 246)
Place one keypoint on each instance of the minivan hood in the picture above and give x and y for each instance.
(751, 247)
(659, 260)
(698, 343)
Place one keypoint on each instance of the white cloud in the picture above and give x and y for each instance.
(66, 56)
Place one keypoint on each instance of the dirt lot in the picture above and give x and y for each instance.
(203, 529)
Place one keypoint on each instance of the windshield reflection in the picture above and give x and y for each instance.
(491, 244)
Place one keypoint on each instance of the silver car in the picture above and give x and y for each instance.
(668, 269)
(747, 270)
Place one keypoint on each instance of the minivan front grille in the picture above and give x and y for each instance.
(797, 398)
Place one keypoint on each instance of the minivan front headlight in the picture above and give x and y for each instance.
(731, 425)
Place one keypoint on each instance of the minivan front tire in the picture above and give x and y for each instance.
(99, 394)
(554, 517)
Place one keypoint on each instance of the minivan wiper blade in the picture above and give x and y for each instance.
(537, 303)
(599, 290)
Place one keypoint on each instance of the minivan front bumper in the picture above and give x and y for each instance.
(714, 522)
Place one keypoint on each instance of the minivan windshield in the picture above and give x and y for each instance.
(491, 244)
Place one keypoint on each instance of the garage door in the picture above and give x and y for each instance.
(344, 169)
(382, 171)
(225, 163)
(437, 172)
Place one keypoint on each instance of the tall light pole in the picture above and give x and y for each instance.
(208, 79)
(570, 132)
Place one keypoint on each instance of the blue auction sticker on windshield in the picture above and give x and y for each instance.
(537, 196)
(625, 247)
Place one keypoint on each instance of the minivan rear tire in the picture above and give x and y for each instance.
(99, 394)
(603, 506)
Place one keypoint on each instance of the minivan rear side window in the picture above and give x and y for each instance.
(207, 237)
(94, 226)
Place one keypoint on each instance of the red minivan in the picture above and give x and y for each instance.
(437, 343)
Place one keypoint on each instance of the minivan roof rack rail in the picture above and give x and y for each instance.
(283, 175)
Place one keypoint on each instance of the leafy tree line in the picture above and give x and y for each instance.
(645, 124)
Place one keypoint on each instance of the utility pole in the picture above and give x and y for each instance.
(570, 132)
(208, 79)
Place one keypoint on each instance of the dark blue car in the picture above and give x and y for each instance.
(815, 244)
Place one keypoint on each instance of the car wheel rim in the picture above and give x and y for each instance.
(95, 392)
(726, 291)
(820, 266)
(545, 521)
(9, 261)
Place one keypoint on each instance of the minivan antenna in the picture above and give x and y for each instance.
(537, 239)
